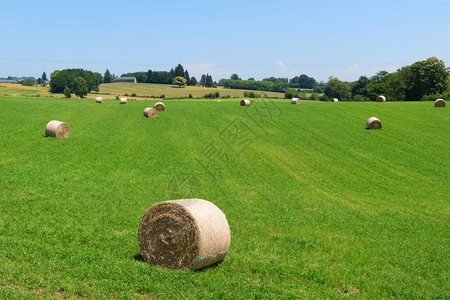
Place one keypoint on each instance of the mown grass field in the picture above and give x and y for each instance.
(144, 91)
(318, 206)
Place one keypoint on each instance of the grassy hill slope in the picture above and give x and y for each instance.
(318, 206)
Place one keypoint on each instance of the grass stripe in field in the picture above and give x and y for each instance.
(318, 206)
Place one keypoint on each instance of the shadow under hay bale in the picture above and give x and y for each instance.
(245, 102)
(439, 103)
(184, 234)
(99, 100)
(295, 101)
(123, 100)
(380, 98)
(374, 123)
(150, 112)
(57, 129)
(160, 106)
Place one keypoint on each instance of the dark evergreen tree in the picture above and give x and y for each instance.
(107, 77)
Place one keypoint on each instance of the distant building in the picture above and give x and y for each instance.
(126, 79)
(8, 81)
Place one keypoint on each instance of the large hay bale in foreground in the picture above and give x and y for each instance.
(439, 103)
(374, 123)
(380, 98)
(98, 99)
(334, 100)
(159, 106)
(57, 129)
(295, 101)
(150, 112)
(245, 102)
(184, 234)
(123, 100)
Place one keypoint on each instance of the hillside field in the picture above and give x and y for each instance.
(144, 91)
(318, 206)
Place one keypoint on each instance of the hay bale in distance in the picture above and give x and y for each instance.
(380, 98)
(374, 123)
(150, 112)
(219, 100)
(123, 100)
(57, 129)
(98, 99)
(245, 102)
(439, 103)
(334, 100)
(184, 234)
(159, 106)
(295, 101)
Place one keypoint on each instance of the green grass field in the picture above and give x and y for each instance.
(318, 206)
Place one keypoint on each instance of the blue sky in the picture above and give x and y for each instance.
(256, 39)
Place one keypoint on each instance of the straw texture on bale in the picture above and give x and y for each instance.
(123, 100)
(99, 100)
(57, 129)
(374, 123)
(245, 102)
(150, 112)
(439, 103)
(334, 100)
(184, 234)
(295, 101)
(160, 106)
(380, 98)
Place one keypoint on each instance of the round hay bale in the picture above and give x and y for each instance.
(98, 99)
(123, 100)
(150, 112)
(334, 100)
(439, 103)
(57, 129)
(295, 101)
(380, 98)
(219, 100)
(245, 102)
(374, 123)
(184, 234)
(160, 106)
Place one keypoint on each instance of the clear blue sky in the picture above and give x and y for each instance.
(256, 39)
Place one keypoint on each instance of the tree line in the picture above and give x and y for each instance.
(424, 80)
(77, 81)
(272, 84)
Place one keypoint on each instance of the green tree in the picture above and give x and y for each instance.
(107, 77)
(193, 81)
(28, 82)
(180, 81)
(67, 92)
(235, 77)
(291, 93)
(303, 81)
(203, 80)
(80, 87)
(179, 71)
(359, 87)
(44, 77)
(338, 89)
(61, 79)
(209, 81)
(425, 77)
(186, 75)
